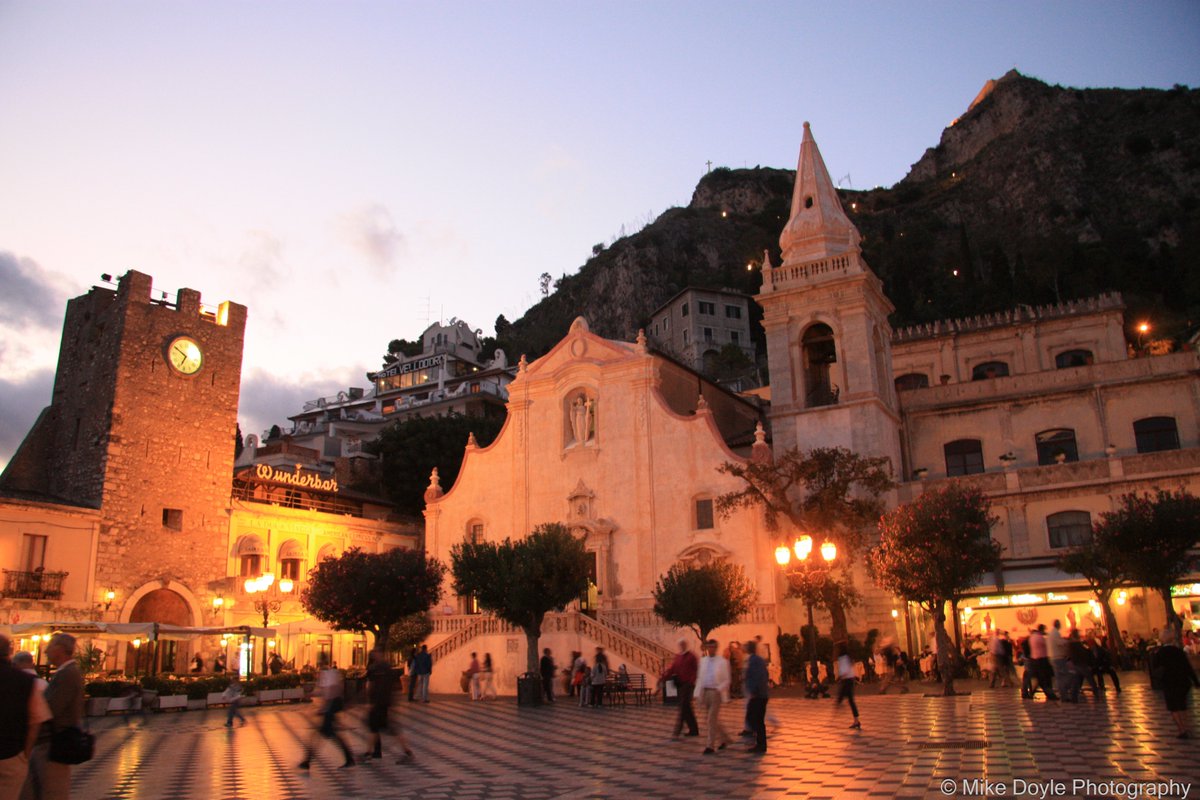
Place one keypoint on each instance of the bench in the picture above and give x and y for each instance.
(617, 689)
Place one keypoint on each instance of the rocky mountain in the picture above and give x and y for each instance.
(1037, 193)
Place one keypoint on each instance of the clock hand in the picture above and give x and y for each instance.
(181, 352)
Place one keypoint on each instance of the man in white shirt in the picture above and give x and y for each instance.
(712, 689)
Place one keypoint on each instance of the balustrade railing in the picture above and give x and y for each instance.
(33, 584)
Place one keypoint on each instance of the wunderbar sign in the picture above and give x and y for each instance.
(306, 480)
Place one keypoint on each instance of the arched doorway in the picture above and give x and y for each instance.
(820, 353)
(165, 606)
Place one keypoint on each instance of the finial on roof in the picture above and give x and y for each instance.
(760, 451)
(522, 364)
(580, 324)
(766, 265)
(641, 340)
(434, 490)
(471, 439)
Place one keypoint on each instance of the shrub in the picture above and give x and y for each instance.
(109, 688)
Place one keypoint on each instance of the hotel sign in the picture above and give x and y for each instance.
(412, 366)
(302, 480)
(1023, 599)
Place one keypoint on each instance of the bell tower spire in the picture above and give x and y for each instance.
(818, 227)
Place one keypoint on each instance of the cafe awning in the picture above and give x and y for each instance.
(128, 631)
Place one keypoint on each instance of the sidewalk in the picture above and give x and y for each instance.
(909, 745)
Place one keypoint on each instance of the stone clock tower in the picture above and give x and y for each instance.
(828, 337)
(141, 426)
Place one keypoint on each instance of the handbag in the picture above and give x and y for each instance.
(72, 746)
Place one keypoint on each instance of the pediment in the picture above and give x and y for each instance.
(579, 345)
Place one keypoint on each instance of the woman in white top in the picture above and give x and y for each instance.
(846, 680)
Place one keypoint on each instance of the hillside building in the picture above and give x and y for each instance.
(696, 324)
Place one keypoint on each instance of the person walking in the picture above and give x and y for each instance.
(599, 678)
(846, 679)
(547, 669)
(1059, 651)
(331, 691)
(64, 695)
(23, 710)
(412, 673)
(1177, 677)
(233, 696)
(472, 673)
(683, 671)
(712, 689)
(380, 685)
(487, 682)
(582, 679)
(422, 669)
(757, 690)
(1039, 656)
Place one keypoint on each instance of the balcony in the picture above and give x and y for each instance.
(33, 585)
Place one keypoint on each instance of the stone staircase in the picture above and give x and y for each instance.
(620, 642)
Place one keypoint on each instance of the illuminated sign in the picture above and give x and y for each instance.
(303, 480)
(1185, 590)
(411, 366)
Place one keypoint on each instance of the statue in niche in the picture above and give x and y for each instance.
(581, 419)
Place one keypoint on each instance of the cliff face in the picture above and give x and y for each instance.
(1037, 193)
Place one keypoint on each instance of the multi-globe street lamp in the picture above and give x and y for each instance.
(269, 600)
(803, 547)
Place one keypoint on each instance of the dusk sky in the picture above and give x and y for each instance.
(354, 171)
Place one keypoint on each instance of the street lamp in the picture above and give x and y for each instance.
(269, 601)
(803, 547)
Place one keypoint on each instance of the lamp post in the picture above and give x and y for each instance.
(803, 547)
(269, 600)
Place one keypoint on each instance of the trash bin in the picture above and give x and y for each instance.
(529, 690)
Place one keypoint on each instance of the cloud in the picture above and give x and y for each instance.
(20, 403)
(261, 259)
(373, 233)
(268, 400)
(32, 296)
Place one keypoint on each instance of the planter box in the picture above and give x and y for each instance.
(97, 706)
(270, 695)
(294, 695)
(216, 699)
(124, 704)
(172, 701)
(197, 705)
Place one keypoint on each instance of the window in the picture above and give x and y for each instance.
(685, 335)
(704, 513)
(1073, 358)
(251, 565)
(290, 555)
(33, 552)
(172, 518)
(735, 337)
(989, 369)
(475, 533)
(251, 555)
(708, 308)
(964, 457)
(685, 310)
(733, 312)
(912, 380)
(708, 334)
(1154, 434)
(666, 324)
(1069, 528)
(1056, 446)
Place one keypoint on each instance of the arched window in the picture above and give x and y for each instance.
(820, 354)
(474, 532)
(1056, 446)
(912, 380)
(290, 556)
(252, 556)
(963, 457)
(326, 551)
(1156, 433)
(989, 369)
(1069, 528)
(1073, 358)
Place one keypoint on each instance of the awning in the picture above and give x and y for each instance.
(128, 631)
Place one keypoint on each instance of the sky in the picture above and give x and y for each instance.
(354, 171)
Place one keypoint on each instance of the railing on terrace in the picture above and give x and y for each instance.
(247, 494)
(33, 584)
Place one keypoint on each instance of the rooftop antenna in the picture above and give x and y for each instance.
(846, 178)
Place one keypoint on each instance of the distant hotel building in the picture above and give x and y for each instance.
(694, 325)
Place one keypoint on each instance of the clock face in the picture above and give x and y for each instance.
(184, 355)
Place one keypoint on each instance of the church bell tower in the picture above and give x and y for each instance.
(828, 337)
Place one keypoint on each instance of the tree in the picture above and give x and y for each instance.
(522, 581)
(931, 551)
(361, 591)
(402, 347)
(704, 597)
(275, 433)
(239, 444)
(410, 449)
(828, 492)
(410, 631)
(544, 283)
(1154, 533)
(1101, 565)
